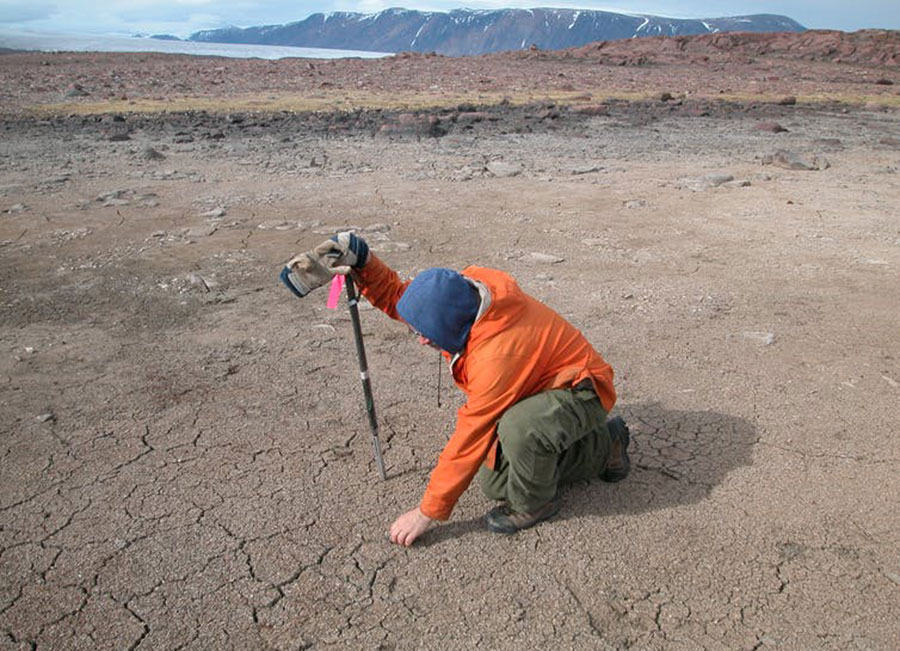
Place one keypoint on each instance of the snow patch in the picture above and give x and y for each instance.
(574, 19)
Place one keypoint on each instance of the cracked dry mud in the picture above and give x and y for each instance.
(186, 461)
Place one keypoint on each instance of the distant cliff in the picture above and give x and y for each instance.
(465, 31)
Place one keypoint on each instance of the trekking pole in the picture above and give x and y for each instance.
(352, 302)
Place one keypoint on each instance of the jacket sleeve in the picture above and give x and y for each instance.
(380, 285)
(494, 389)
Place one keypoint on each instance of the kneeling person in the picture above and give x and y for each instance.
(537, 393)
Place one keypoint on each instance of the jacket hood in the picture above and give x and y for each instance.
(441, 305)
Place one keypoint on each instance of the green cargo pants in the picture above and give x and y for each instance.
(547, 440)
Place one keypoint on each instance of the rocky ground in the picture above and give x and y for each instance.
(185, 456)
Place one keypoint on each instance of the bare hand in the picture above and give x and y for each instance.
(409, 526)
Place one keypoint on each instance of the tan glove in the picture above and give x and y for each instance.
(305, 272)
(343, 252)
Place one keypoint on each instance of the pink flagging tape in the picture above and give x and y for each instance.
(337, 284)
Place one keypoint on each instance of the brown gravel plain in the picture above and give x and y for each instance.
(185, 460)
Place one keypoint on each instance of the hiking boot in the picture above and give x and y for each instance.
(502, 519)
(618, 465)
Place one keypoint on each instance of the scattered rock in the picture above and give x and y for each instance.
(833, 144)
(790, 100)
(204, 230)
(196, 280)
(469, 117)
(791, 161)
(119, 137)
(54, 180)
(277, 225)
(883, 81)
(737, 183)
(15, 208)
(387, 246)
(76, 90)
(666, 97)
(586, 169)
(468, 172)
(46, 417)
(181, 138)
(771, 127)
(635, 203)
(890, 142)
(592, 109)
(765, 338)
(113, 194)
(501, 169)
(149, 153)
(699, 184)
(216, 213)
(542, 258)
(376, 228)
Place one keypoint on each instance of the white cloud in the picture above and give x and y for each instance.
(23, 12)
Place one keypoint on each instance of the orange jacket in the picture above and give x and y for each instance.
(518, 347)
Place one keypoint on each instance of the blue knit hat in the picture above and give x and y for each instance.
(441, 305)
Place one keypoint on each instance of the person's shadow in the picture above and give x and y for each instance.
(677, 457)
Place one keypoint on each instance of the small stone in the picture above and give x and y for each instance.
(29, 350)
(829, 144)
(215, 213)
(276, 225)
(16, 207)
(716, 180)
(183, 138)
(790, 100)
(149, 153)
(586, 169)
(502, 169)
(376, 228)
(119, 137)
(699, 184)
(204, 230)
(635, 203)
(666, 97)
(771, 127)
(46, 417)
(390, 247)
(791, 161)
(112, 194)
(542, 258)
(75, 90)
(883, 81)
(890, 142)
(592, 110)
(196, 280)
(765, 338)
(468, 117)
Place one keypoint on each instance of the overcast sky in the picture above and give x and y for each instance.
(182, 17)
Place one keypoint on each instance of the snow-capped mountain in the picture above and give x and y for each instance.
(465, 31)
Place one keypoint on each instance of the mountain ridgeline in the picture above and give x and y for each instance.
(470, 32)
